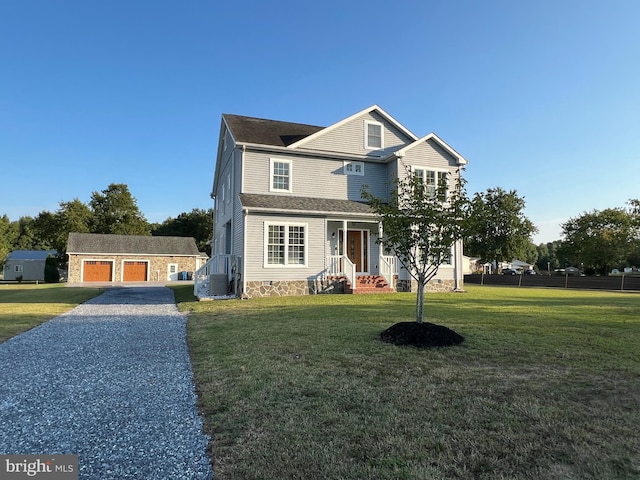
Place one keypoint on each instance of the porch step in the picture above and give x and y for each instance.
(369, 284)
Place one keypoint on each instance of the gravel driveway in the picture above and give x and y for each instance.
(110, 381)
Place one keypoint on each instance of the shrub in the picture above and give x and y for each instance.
(51, 273)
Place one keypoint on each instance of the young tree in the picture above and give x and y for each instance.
(115, 210)
(420, 228)
(499, 231)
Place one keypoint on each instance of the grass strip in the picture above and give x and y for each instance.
(546, 385)
(23, 307)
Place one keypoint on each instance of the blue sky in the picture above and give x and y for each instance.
(541, 97)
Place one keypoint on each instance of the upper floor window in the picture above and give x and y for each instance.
(17, 268)
(435, 181)
(353, 168)
(280, 176)
(373, 135)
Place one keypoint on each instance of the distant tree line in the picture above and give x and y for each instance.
(601, 240)
(596, 241)
(113, 210)
(498, 231)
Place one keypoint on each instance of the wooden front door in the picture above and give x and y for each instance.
(356, 249)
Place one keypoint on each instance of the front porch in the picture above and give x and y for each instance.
(353, 262)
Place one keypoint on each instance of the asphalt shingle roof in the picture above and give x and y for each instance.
(267, 132)
(306, 204)
(133, 244)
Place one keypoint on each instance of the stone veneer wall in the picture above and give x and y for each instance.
(157, 266)
(330, 285)
(432, 286)
(293, 288)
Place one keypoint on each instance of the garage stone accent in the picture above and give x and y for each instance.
(130, 258)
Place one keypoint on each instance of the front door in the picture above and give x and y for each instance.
(356, 249)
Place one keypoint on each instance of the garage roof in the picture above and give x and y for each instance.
(83, 243)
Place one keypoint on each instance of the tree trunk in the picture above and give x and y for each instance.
(420, 300)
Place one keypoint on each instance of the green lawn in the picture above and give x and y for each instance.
(546, 386)
(25, 306)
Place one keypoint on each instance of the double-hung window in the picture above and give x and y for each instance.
(435, 182)
(280, 175)
(373, 135)
(285, 244)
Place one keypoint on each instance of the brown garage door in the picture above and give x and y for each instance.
(97, 271)
(135, 272)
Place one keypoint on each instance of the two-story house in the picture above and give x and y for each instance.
(289, 217)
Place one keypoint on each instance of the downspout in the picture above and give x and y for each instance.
(213, 221)
(380, 248)
(245, 212)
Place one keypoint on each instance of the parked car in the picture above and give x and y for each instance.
(509, 271)
(530, 272)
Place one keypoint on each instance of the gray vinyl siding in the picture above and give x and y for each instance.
(237, 247)
(254, 259)
(31, 270)
(349, 138)
(313, 177)
(430, 154)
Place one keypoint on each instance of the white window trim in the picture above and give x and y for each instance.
(271, 164)
(266, 263)
(18, 268)
(366, 135)
(352, 171)
(436, 170)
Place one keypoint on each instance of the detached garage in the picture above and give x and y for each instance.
(131, 258)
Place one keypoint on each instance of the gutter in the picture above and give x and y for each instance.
(313, 153)
(318, 213)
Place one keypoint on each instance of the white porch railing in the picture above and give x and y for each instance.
(388, 268)
(341, 265)
(218, 264)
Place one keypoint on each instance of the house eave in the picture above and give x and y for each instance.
(315, 213)
(256, 147)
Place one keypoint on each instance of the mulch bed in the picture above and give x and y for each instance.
(421, 335)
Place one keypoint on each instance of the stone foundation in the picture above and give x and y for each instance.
(293, 288)
(330, 285)
(435, 285)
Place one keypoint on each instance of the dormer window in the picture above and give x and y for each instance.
(373, 135)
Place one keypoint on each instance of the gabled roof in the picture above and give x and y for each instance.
(30, 254)
(432, 136)
(372, 108)
(98, 243)
(267, 132)
(303, 204)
